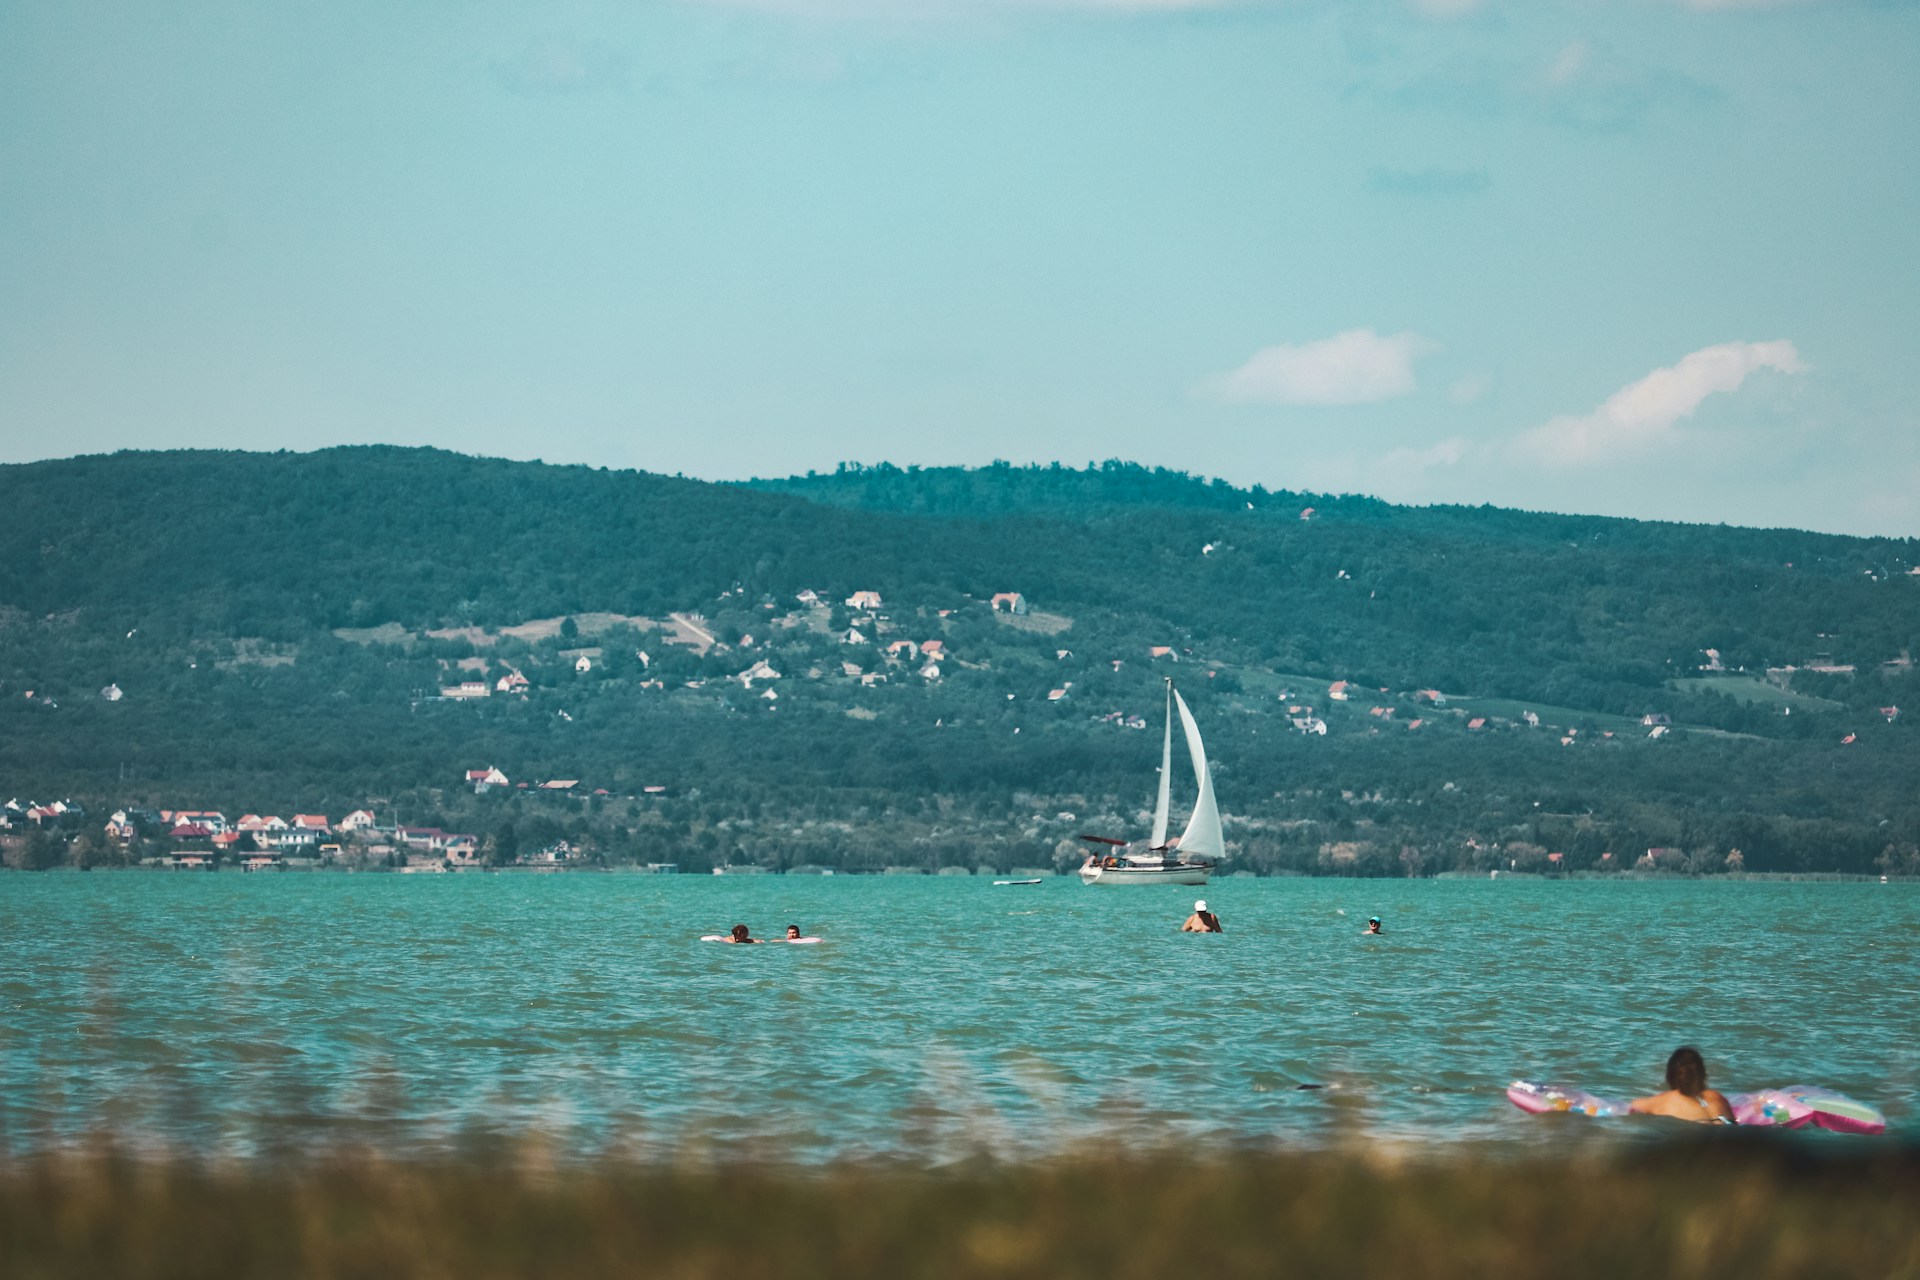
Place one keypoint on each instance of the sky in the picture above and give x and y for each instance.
(1650, 258)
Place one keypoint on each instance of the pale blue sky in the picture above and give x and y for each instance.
(1639, 257)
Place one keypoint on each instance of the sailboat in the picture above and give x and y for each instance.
(1186, 860)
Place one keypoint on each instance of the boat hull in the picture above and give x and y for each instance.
(1177, 873)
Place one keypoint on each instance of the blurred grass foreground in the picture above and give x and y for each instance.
(1725, 1207)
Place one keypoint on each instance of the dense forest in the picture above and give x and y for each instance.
(289, 632)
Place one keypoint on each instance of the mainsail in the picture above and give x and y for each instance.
(1203, 838)
(1159, 840)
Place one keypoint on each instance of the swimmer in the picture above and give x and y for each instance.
(739, 934)
(1373, 927)
(1687, 1096)
(1202, 920)
(793, 933)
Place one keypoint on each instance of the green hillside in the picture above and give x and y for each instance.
(282, 627)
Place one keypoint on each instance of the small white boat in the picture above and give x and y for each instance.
(1186, 860)
(1035, 880)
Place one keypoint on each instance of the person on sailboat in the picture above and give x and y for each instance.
(1202, 920)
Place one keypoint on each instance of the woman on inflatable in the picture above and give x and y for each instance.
(1687, 1096)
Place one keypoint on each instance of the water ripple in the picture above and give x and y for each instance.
(943, 1020)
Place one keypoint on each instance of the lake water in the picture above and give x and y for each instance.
(238, 1015)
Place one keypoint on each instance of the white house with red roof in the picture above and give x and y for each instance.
(1012, 601)
(868, 600)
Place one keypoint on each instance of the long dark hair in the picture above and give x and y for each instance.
(1687, 1071)
(739, 932)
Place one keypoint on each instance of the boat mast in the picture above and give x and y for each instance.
(1159, 840)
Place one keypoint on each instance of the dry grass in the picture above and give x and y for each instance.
(1735, 1209)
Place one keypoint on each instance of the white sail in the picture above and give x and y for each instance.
(1203, 837)
(1160, 805)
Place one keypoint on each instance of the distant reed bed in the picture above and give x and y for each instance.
(1725, 1207)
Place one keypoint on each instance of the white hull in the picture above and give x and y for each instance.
(1178, 873)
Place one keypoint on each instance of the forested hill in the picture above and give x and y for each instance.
(1572, 609)
(292, 622)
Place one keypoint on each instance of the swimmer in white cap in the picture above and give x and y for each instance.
(1202, 920)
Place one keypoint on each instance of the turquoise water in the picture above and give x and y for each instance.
(229, 1014)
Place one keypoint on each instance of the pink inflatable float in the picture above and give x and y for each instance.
(1796, 1106)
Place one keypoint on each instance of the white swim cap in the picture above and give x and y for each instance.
(1200, 905)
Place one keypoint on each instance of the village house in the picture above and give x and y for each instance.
(560, 784)
(868, 600)
(484, 780)
(1476, 724)
(1338, 690)
(908, 647)
(1654, 718)
(853, 636)
(583, 664)
(466, 689)
(1012, 601)
(809, 597)
(1163, 651)
(314, 822)
(359, 820)
(512, 682)
(760, 670)
(112, 693)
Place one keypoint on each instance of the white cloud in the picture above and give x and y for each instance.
(560, 64)
(941, 9)
(1469, 388)
(1355, 367)
(1447, 453)
(1642, 413)
(1446, 8)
